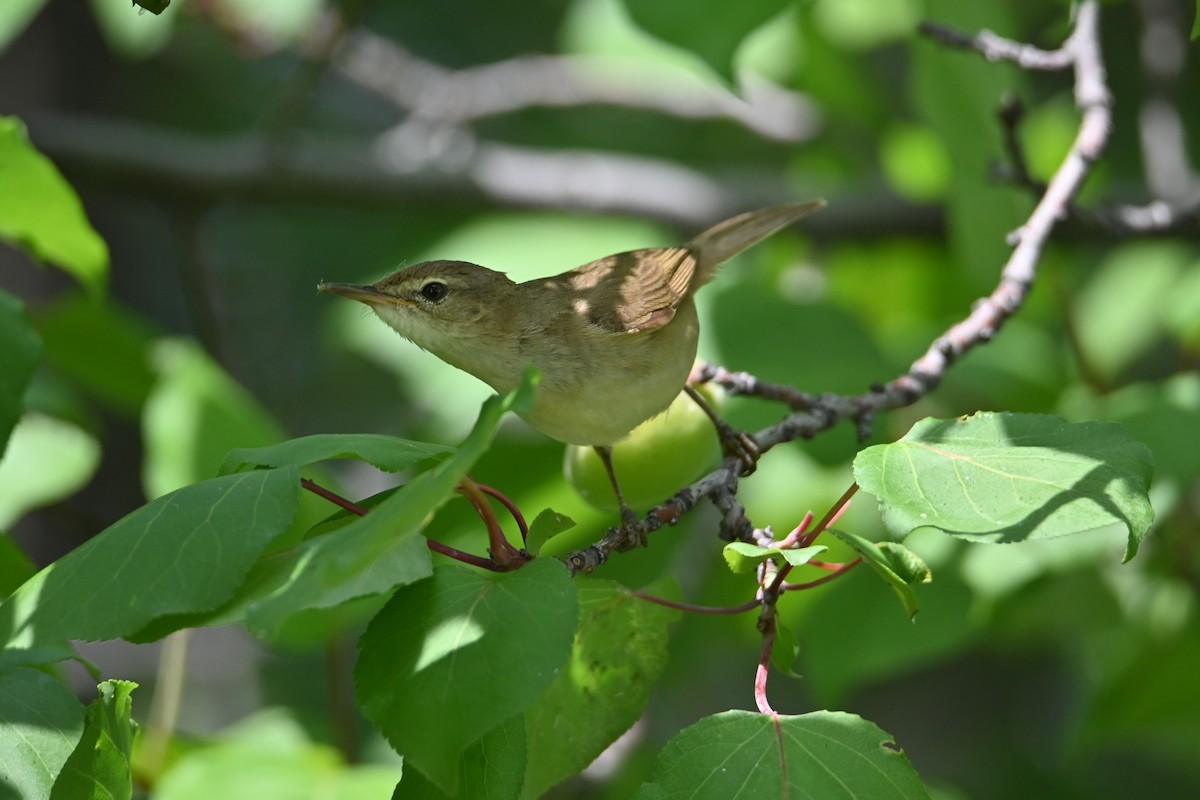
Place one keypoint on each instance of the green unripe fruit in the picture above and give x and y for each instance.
(660, 456)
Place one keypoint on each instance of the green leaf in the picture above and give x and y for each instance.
(620, 649)
(739, 755)
(545, 526)
(1120, 313)
(40, 212)
(47, 459)
(40, 724)
(388, 453)
(14, 16)
(20, 349)
(785, 650)
(377, 552)
(15, 566)
(1010, 478)
(897, 565)
(99, 768)
(956, 94)
(711, 29)
(743, 557)
(491, 767)
(452, 656)
(184, 553)
(269, 755)
(194, 416)
(104, 347)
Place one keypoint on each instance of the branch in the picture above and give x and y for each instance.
(817, 413)
(432, 92)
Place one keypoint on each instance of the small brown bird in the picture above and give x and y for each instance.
(614, 339)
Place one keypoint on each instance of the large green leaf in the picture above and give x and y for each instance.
(620, 649)
(711, 29)
(493, 766)
(1011, 477)
(184, 553)
(20, 348)
(40, 212)
(388, 453)
(453, 656)
(40, 724)
(99, 769)
(739, 755)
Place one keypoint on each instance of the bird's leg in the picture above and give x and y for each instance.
(631, 525)
(733, 442)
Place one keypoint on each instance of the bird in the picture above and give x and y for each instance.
(613, 339)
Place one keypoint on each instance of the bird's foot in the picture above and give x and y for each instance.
(738, 444)
(631, 533)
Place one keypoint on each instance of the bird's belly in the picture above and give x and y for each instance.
(616, 394)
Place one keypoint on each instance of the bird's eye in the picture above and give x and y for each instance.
(434, 291)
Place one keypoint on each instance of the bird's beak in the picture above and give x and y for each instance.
(352, 291)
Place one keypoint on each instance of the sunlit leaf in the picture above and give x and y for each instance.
(460, 652)
(47, 459)
(40, 212)
(40, 724)
(1011, 477)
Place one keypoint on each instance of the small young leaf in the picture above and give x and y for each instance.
(1011, 477)
(388, 453)
(40, 212)
(885, 563)
(452, 656)
(620, 649)
(546, 526)
(40, 724)
(99, 768)
(739, 755)
(743, 557)
(785, 650)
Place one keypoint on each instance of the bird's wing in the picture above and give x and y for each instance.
(634, 291)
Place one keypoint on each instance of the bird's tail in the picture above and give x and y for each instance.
(726, 239)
